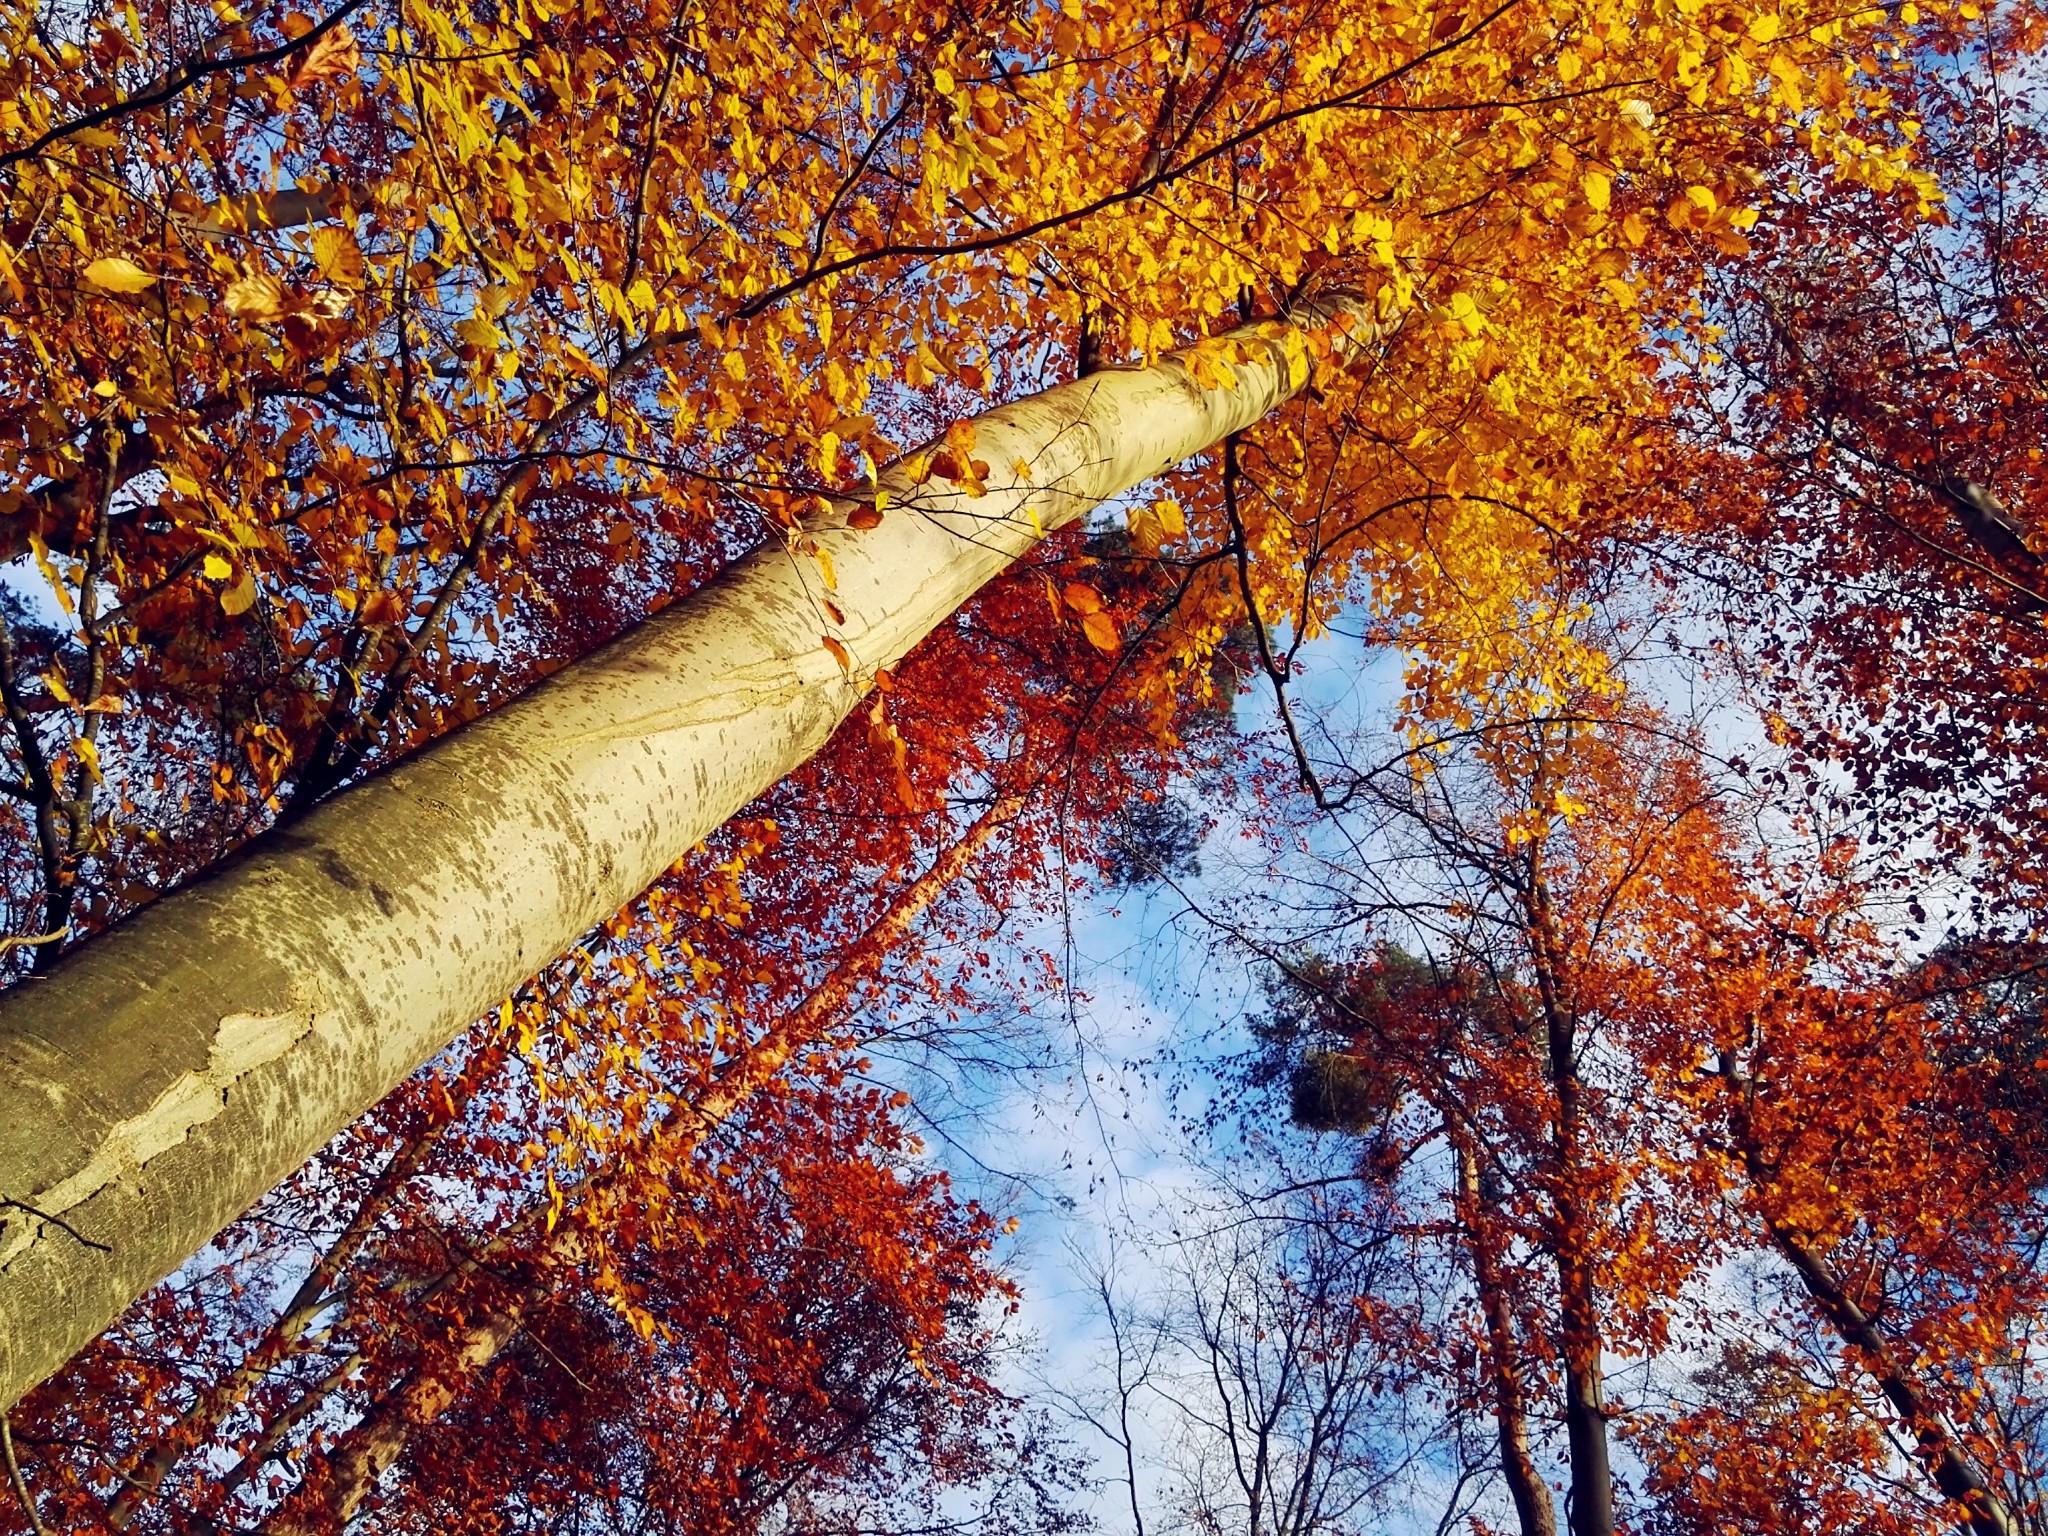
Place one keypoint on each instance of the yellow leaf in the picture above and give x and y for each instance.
(216, 568)
(258, 297)
(117, 274)
(1763, 28)
(241, 597)
(89, 755)
(338, 256)
(50, 572)
(1599, 190)
(942, 81)
(1172, 521)
(1146, 533)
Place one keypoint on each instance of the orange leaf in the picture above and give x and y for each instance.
(865, 516)
(906, 792)
(839, 654)
(1082, 598)
(381, 607)
(1100, 629)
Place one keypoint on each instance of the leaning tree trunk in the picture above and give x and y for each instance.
(341, 1476)
(1944, 1457)
(1535, 1514)
(164, 1076)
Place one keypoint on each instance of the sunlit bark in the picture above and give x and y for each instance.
(337, 1483)
(174, 1069)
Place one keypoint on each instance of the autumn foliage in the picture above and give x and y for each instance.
(359, 368)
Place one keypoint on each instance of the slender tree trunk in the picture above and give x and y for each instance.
(1591, 1507)
(1950, 1467)
(1534, 1511)
(313, 1296)
(344, 1475)
(166, 1074)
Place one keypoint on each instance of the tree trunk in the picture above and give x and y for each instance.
(314, 1294)
(165, 1075)
(1591, 1507)
(1534, 1511)
(344, 1475)
(1946, 1462)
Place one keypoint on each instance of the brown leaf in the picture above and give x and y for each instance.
(864, 516)
(333, 56)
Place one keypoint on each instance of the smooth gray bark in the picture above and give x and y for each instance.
(164, 1076)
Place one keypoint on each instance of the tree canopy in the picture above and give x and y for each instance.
(1655, 383)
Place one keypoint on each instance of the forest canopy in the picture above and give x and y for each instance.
(597, 596)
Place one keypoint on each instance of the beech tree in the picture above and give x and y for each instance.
(661, 1028)
(337, 343)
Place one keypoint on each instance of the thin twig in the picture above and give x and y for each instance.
(56, 1221)
(28, 1503)
(42, 938)
(1275, 669)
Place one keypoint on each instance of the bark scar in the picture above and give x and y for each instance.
(242, 1042)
